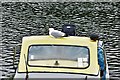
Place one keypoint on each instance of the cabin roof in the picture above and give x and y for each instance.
(63, 40)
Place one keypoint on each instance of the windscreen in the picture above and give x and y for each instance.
(65, 54)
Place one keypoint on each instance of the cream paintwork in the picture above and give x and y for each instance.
(62, 63)
(80, 41)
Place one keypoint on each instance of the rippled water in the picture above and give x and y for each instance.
(25, 19)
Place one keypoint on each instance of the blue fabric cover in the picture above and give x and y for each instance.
(101, 62)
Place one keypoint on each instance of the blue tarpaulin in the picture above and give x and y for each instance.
(101, 62)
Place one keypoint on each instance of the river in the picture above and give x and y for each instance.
(21, 19)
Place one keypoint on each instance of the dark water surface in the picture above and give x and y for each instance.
(21, 19)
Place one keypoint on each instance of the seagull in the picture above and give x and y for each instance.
(56, 33)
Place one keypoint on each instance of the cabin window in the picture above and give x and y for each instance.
(58, 56)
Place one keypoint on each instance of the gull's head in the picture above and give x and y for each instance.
(51, 29)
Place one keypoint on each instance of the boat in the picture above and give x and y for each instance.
(66, 57)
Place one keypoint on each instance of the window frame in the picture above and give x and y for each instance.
(58, 66)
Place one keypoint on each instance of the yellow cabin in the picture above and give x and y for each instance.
(73, 56)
